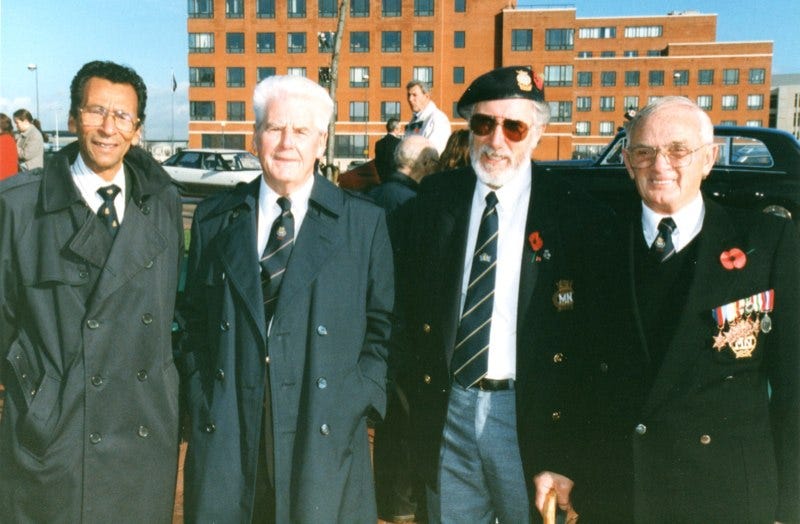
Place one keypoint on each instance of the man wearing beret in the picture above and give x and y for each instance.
(497, 307)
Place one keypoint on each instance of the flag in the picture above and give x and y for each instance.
(174, 83)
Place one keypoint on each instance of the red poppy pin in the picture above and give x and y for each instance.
(535, 240)
(733, 259)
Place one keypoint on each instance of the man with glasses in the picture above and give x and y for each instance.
(498, 341)
(714, 421)
(90, 248)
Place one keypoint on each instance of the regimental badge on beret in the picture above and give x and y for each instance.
(524, 80)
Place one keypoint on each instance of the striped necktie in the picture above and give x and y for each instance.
(470, 357)
(663, 248)
(276, 256)
(108, 211)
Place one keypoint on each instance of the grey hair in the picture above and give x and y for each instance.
(706, 126)
(419, 83)
(540, 111)
(289, 86)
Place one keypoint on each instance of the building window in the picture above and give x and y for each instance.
(201, 42)
(680, 77)
(753, 123)
(559, 39)
(630, 54)
(392, 8)
(235, 77)
(359, 41)
(201, 76)
(521, 39)
(297, 42)
(560, 111)
(655, 78)
(460, 6)
(585, 54)
(265, 8)
(296, 71)
(558, 75)
(324, 76)
(390, 76)
(631, 78)
(201, 8)
(755, 101)
(705, 77)
(730, 102)
(459, 39)
(727, 122)
(359, 111)
(328, 8)
(730, 76)
(234, 8)
(704, 102)
(606, 103)
(296, 8)
(390, 41)
(608, 54)
(606, 128)
(265, 42)
(757, 76)
(201, 110)
(645, 31)
(423, 74)
(350, 146)
(390, 110)
(236, 111)
(423, 7)
(583, 103)
(584, 78)
(234, 42)
(631, 102)
(359, 8)
(359, 77)
(583, 128)
(608, 78)
(458, 75)
(597, 32)
(264, 72)
(423, 41)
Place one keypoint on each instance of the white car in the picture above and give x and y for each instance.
(201, 172)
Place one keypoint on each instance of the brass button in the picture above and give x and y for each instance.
(426, 379)
(426, 328)
(705, 439)
(556, 416)
(640, 429)
(558, 358)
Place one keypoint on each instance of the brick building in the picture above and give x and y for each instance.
(594, 68)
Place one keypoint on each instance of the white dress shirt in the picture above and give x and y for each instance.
(269, 210)
(88, 182)
(688, 222)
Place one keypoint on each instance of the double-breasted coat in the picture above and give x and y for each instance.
(559, 326)
(327, 348)
(89, 432)
(713, 437)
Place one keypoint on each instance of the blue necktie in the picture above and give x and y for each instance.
(276, 256)
(663, 248)
(470, 357)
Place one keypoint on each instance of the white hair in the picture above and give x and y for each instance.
(706, 126)
(282, 87)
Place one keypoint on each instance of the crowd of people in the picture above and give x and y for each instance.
(23, 150)
(521, 348)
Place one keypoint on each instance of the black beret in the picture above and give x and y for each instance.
(505, 82)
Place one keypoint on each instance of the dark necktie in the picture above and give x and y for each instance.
(276, 256)
(107, 211)
(662, 247)
(470, 357)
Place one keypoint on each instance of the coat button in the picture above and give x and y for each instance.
(266, 360)
(146, 209)
(325, 429)
(147, 319)
(426, 379)
(322, 330)
(83, 274)
(144, 431)
(92, 323)
(210, 427)
(97, 381)
(705, 440)
(322, 383)
(221, 374)
(640, 429)
(556, 416)
(426, 328)
(224, 325)
(603, 367)
(558, 358)
(95, 438)
(141, 375)
(148, 264)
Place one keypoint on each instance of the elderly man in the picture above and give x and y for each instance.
(287, 318)
(90, 248)
(491, 344)
(427, 119)
(715, 294)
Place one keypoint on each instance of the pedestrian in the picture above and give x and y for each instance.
(287, 319)
(9, 161)
(384, 149)
(90, 247)
(427, 119)
(30, 142)
(491, 347)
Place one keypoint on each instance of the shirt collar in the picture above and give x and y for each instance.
(688, 222)
(88, 182)
(509, 194)
(268, 198)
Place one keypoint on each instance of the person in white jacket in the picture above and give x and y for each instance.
(427, 120)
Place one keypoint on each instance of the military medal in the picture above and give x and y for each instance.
(744, 320)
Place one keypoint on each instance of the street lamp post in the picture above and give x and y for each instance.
(35, 69)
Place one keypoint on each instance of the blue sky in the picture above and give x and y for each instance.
(150, 36)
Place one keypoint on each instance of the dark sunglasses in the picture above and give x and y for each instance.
(482, 125)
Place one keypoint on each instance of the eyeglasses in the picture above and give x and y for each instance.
(96, 115)
(676, 155)
(482, 125)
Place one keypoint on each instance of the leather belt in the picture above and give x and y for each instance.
(491, 384)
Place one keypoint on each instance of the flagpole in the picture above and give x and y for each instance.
(172, 131)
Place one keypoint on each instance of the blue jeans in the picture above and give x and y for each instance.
(480, 469)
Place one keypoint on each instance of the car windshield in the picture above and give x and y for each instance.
(240, 162)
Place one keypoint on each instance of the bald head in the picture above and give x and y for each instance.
(416, 156)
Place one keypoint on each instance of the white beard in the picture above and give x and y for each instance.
(496, 179)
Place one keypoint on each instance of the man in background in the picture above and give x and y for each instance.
(427, 119)
(384, 149)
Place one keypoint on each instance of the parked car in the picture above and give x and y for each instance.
(756, 168)
(201, 172)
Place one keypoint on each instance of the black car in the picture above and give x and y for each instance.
(756, 168)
